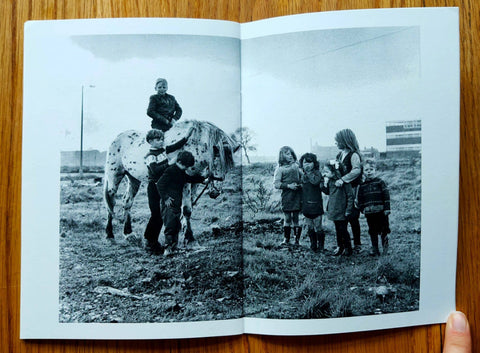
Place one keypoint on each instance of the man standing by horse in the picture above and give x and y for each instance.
(163, 107)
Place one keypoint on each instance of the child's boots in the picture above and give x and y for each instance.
(385, 243)
(298, 232)
(320, 240)
(313, 239)
(286, 235)
(347, 244)
(374, 251)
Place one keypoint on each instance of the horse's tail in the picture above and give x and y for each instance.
(114, 173)
(108, 198)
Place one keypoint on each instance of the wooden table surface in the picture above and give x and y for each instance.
(418, 339)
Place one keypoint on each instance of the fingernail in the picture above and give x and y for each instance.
(459, 322)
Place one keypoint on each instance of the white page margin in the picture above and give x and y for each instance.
(440, 161)
(41, 194)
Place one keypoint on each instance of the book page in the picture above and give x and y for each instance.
(91, 95)
(360, 103)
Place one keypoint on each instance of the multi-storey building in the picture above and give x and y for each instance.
(404, 137)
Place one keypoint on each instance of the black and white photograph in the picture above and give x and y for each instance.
(169, 106)
(193, 178)
(332, 188)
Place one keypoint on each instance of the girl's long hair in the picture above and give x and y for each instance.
(281, 155)
(347, 138)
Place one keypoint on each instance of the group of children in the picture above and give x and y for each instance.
(352, 187)
(165, 182)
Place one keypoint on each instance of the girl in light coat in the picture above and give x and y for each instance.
(287, 178)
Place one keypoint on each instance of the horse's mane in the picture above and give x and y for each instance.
(218, 142)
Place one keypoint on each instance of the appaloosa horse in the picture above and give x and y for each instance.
(212, 148)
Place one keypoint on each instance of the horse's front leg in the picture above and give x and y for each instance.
(187, 213)
(109, 227)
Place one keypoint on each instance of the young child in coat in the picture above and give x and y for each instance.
(287, 178)
(312, 201)
(157, 161)
(374, 201)
(339, 207)
(163, 107)
(170, 188)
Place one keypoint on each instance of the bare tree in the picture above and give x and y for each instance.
(245, 137)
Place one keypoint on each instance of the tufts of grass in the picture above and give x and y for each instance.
(410, 276)
(268, 244)
(316, 307)
(317, 302)
(386, 270)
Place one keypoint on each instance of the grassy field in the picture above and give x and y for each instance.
(293, 282)
(240, 271)
(117, 281)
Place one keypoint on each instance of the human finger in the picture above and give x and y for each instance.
(457, 334)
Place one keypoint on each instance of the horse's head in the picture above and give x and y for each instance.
(211, 147)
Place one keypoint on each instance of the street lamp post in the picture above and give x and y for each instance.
(81, 138)
(81, 130)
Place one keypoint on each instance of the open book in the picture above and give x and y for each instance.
(390, 77)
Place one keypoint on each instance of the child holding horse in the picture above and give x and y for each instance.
(163, 107)
(170, 188)
(287, 178)
(339, 207)
(157, 161)
(312, 201)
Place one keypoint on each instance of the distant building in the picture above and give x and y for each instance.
(324, 152)
(91, 158)
(370, 153)
(404, 138)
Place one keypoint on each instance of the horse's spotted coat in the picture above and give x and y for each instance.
(206, 143)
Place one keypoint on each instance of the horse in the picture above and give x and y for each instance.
(211, 147)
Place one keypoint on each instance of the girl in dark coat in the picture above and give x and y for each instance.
(287, 178)
(312, 200)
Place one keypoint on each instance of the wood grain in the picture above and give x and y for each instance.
(419, 339)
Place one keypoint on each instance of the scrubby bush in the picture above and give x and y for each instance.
(257, 197)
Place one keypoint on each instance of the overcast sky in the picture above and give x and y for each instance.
(119, 74)
(301, 88)
(298, 88)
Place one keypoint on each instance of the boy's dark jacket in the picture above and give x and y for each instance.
(162, 110)
(373, 196)
(171, 184)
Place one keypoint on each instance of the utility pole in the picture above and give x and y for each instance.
(81, 138)
(81, 130)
